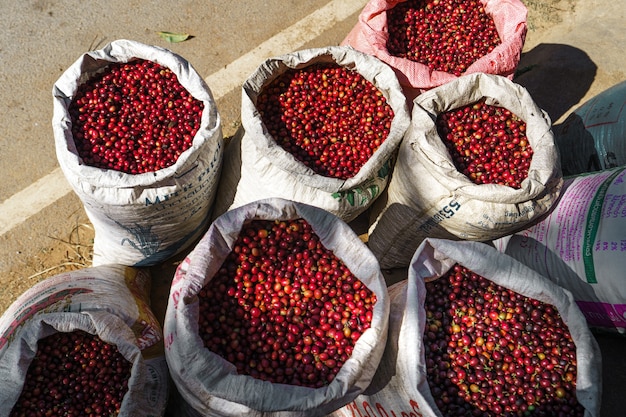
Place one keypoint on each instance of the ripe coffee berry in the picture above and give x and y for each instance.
(283, 308)
(493, 352)
(487, 143)
(328, 117)
(445, 35)
(133, 117)
(74, 374)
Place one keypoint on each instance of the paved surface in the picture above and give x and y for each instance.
(42, 38)
(574, 52)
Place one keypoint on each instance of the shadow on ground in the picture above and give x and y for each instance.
(557, 76)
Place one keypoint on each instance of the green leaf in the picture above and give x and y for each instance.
(174, 37)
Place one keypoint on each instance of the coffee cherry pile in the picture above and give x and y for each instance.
(283, 308)
(74, 374)
(493, 352)
(487, 143)
(133, 117)
(328, 117)
(445, 35)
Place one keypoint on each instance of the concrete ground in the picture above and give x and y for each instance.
(574, 50)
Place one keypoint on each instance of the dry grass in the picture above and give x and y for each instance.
(78, 252)
(69, 253)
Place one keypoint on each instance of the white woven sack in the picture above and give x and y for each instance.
(593, 136)
(428, 197)
(142, 219)
(256, 167)
(580, 246)
(210, 384)
(108, 301)
(400, 386)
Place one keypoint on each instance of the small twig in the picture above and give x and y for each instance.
(80, 253)
(77, 247)
(93, 46)
(52, 268)
(74, 246)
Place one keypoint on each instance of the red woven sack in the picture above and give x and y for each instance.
(370, 35)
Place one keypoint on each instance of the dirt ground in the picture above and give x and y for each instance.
(573, 52)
